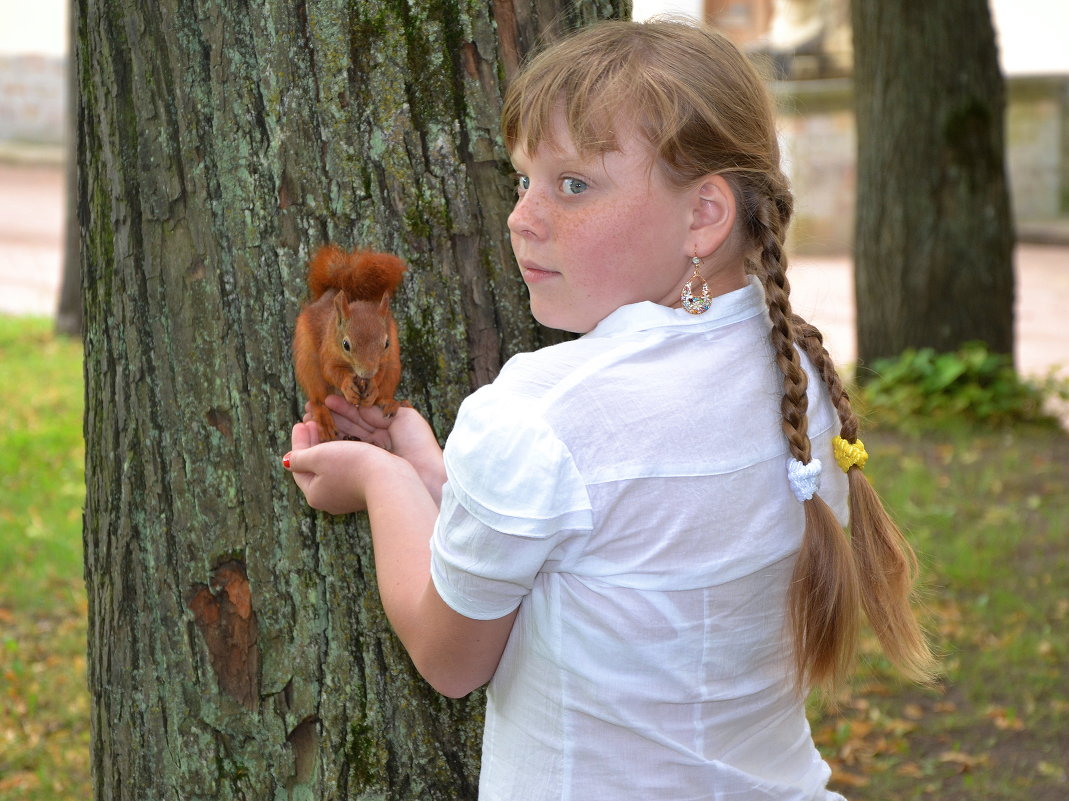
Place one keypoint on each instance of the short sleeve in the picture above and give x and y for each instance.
(513, 500)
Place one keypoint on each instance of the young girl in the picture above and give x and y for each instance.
(636, 536)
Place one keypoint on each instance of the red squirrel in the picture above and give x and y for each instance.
(346, 337)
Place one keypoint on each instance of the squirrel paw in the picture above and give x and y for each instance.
(352, 389)
(389, 407)
(325, 421)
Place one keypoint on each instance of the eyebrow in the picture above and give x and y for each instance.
(566, 161)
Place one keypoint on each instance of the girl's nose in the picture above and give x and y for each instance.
(526, 218)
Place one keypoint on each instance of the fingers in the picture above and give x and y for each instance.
(410, 431)
(304, 435)
(365, 416)
(366, 423)
(361, 416)
(333, 475)
(371, 416)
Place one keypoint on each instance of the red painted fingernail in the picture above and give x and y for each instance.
(286, 461)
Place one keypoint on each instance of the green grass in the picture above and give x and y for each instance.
(986, 508)
(988, 514)
(44, 706)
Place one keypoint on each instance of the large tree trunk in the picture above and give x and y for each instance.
(237, 648)
(934, 235)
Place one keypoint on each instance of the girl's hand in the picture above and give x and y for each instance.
(406, 434)
(366, 423)
(334, 475)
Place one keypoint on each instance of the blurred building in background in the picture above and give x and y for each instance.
(803, 39)
(1032, 34)
(33, 74)
(743, 20)
(805, 45)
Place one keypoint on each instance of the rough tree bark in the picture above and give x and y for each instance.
(934, 235)
(237, 648)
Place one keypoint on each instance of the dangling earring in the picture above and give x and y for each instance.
(696, 305)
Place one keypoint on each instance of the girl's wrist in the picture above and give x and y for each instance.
(387, 471)
(430, 468)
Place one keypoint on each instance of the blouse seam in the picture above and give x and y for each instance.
(605, 476)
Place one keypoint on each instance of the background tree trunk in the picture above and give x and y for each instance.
(237, 647)
(934, 236)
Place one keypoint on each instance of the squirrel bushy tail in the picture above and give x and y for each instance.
(360, 274)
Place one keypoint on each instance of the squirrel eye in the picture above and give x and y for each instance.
(386, 344)
(346, 346)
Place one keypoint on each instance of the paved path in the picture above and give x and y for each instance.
(822, 292)
(31, 235)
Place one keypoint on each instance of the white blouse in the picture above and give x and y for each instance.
(628, 491)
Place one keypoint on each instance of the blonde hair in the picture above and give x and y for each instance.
(705, 110)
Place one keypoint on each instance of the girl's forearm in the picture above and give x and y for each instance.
(454, 653)
(402, 514)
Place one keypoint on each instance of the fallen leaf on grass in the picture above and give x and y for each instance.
(855, 729)
(965, 762)
(23, 780)
(1051, 771)
(1005, 719)
(898, 726)
(913, 711)
(848, 779)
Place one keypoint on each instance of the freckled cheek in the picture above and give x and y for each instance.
(573, 227)
(593, 231)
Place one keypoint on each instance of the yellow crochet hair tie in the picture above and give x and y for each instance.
(847, 454)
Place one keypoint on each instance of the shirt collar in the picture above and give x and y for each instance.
(732, 307)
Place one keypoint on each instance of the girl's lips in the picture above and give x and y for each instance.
(532, 273)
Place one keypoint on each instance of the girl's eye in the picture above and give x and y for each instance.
(572, 186)
(523, 183)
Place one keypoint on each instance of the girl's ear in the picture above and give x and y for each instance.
(713, 214)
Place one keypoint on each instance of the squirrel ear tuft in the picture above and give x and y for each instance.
(341, 304)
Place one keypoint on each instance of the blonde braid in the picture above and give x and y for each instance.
(886, 563)
(810, 340)
(824, 596)
(769, 222)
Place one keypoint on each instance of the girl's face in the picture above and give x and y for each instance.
(591, 235)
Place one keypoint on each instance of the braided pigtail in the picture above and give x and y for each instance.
(885, 561)
(823, 600)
